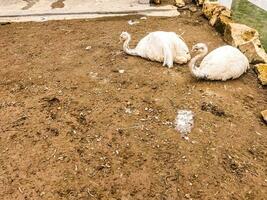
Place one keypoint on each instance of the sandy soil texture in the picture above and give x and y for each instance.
(73, 127)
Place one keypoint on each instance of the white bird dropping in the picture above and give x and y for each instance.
(184, 122)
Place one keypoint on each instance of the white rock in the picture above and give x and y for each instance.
(131, 22)
(128, 110)
(247, 40)
(88, 47)
(254, 52)
(179, 3)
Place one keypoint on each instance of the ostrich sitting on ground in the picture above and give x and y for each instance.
(166, 47)
(223, 63)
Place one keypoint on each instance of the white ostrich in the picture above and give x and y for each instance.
(223, 63)
(166, 47)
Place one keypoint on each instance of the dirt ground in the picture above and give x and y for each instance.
(73, 127)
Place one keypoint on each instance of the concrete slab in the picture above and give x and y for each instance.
(42, 10)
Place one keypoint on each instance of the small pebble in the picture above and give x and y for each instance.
(88, 47)
(193, 8)
(187, 196)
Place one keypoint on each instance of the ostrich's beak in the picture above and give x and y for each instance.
(193, 49)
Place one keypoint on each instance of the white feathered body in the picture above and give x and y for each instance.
(224, 63)
(166, 47)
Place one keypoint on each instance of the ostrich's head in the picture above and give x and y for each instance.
(124, 36)
(199, 47)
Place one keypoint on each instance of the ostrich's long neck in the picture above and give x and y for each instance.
(127, 49)
(194, 68)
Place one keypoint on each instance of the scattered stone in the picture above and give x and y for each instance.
(200, 2)
(213, 11)
(88, 47)
(219, 12)
(264, 115)
(143, 18)
(218, 15)
(93, 74)
(187, 196)
(254, 51)
(208, 9)
(121, 71)
(247, 40)
(238, 34)
(128, 110)
(42, 194)
(179, 3)
(221, 23)
(132, 22)
(193, 8)
(261, 70)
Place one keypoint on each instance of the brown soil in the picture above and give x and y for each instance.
(72, 127)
